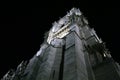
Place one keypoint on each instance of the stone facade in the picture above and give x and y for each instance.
(72, 51)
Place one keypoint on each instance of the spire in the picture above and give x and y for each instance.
(74, 11)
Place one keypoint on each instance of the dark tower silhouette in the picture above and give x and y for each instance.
(70, 51)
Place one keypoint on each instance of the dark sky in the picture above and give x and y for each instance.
(22, 29)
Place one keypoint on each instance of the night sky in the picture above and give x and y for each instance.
(22, 29)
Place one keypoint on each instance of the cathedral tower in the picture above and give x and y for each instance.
(71, 51)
